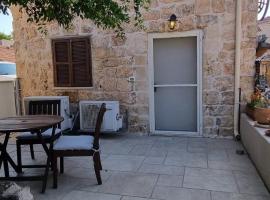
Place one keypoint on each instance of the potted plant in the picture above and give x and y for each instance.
(258, 109)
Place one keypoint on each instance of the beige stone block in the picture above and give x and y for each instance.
(140, 60)
(186, 23)
(227, 98)
(136, 43)
(184, 10)
(117, 41)
(156, 26)
(124, 72)
(211, 97)
(142, 98)
(202, 6)
(151, 15)
(166, 12)
(141, 74)
(218, 6)
(223, 84)
(142, 86)
(123, 85)
(100, 52)
(208, 122)
(218, 110)
(109, 84)
(206, 20)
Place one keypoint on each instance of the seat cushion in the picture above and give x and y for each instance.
(45, 134)
(74, 143)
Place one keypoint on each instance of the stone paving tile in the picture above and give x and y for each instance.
(83, 195)
(210, 179)
(140, 149)
(122, 162)
(135, 198)
(130, 184)
(118, 149)
(154, 160)
(235, 196)
(187, 159)
(229, 165)
(143, 168)
(250, 183)
(217, 155)
(161, 169)
(86, 173)
(170, 180)
(157, 152)
(173, 193)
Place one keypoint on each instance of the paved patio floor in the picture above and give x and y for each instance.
(158, 168)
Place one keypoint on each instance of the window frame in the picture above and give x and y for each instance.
(70, 63)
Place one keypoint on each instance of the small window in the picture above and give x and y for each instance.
(72, 62)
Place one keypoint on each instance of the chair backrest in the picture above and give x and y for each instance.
(45, 107)
(99, 121)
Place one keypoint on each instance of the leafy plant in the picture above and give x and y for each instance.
(257, 100)
(107, 14)
(4, 36)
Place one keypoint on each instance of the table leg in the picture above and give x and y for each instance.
(48, 152)
(5, 158)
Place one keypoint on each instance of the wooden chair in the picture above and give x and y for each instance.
(41, 107)
(82, 145)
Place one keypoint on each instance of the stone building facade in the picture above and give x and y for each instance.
(114, 60)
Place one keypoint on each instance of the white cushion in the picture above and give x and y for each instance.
(74, 143)
(45, 134)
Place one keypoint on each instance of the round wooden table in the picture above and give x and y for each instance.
(35, 124)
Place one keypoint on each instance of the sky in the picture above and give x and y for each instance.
(6, 23)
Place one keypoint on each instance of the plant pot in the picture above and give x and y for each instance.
(262, 115)
(250, 112)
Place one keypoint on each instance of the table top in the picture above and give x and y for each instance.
(28, 122)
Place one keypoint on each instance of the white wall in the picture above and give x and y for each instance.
(7, 98)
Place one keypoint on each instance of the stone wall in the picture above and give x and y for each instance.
(114, 60)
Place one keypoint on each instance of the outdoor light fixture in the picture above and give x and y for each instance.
(172, 21)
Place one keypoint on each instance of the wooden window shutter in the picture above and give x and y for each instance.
(61, 51)
(72, 62)
(81, 62)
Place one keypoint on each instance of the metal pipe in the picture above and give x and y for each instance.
(238, 33)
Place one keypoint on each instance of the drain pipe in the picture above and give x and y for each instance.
(238, 33)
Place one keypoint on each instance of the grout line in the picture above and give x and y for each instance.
(182, 184)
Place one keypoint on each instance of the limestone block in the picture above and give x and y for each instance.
(123, 85)
(202, 6)
(151, 15)
(223, 83)
(184, 10)
(211, 97)
(124, 72)
(218, 110)
(218, 6)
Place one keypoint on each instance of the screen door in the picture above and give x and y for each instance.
(175, 84)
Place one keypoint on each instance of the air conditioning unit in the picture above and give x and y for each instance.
(64, 112)
(112, 120)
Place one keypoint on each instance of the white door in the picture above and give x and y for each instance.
(175, 85)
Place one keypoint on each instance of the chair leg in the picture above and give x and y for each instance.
(19, 157)
(61, 165)
(32, 151)
(55, 171)
(96, 159)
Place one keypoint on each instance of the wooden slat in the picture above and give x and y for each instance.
(72, 62)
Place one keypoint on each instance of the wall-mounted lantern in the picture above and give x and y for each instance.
(172, 21)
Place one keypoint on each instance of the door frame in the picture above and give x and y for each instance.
(151, 36)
